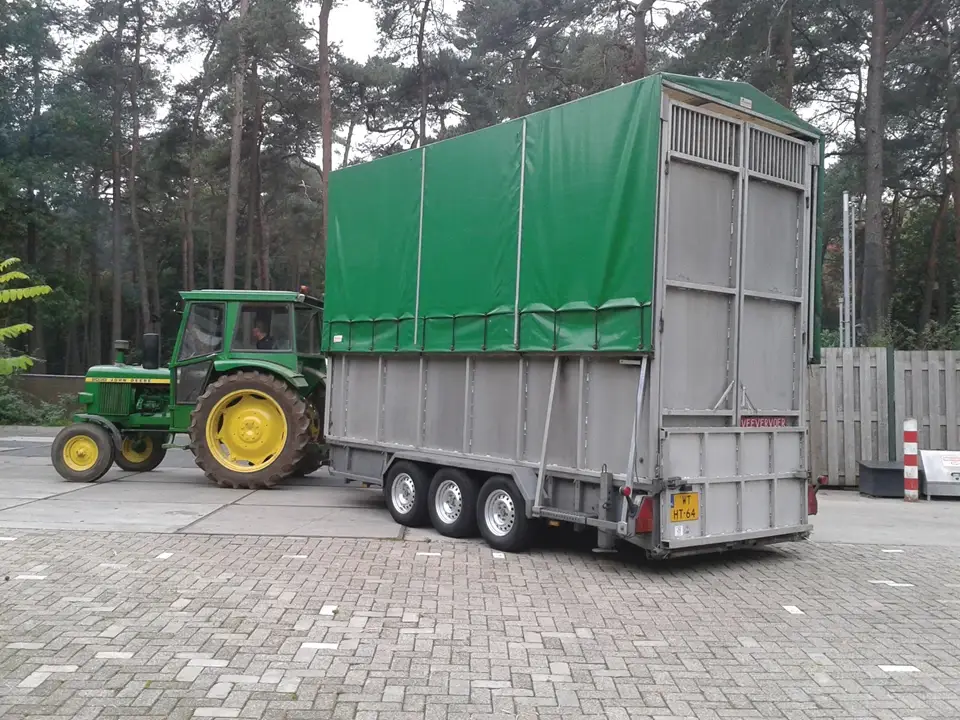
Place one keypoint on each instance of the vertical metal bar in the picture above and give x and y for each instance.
(581, 410)
(632, 455)
(844, 317)
(423, 183)
(853, 275)
(521, 401)
(332, 380)
(746, 140)
(380, 388)
(467, 386)
(346, 392)
(773, 471)
(421, 403)
(546, 437)
(516, 297)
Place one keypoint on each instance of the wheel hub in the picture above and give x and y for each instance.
(80, 453)
(500, 513)
(246, 431)
(404, 493)
(449, 502)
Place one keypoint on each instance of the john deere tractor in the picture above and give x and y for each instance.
(245, 384)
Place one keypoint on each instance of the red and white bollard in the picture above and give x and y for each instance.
(911, 461)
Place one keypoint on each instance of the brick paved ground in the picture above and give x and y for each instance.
(172, 626)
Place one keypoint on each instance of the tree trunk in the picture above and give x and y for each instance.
(35, 345)
(876, 262)
(189, 238)
(254, 230)
(926, 309)
(134, 156)
(93, 348)
(953, 124)
(211, 278)
(326, 126)
(422, 72)
(117, 134)
(787, 59)
(233, 196)
(875, 257)
(639, 61)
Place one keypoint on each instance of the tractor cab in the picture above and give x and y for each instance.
(245, 383)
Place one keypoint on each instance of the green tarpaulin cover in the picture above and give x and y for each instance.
(538, 234)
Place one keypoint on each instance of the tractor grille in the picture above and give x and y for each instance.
(116, 399)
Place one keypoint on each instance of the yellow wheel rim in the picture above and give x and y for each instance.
(80, 453)
(246, 431)
(137, 448)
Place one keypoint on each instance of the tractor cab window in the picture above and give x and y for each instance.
(203, 334)
(263, 328)
(308, 330)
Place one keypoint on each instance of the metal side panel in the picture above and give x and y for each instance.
(401, 398)
(494, 418)
(493, 409)
(562, 447)
(362, 379)
(444, 402)
(744, 483)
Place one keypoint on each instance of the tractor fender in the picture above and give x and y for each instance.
(223, 367)
(104, 423)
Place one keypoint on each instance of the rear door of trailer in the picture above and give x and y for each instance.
(737, 206)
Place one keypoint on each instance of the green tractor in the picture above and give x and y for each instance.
(246, 384)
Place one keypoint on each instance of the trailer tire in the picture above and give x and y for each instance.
(452, 503)
(406, 490)
(82, 452)
(502, 517)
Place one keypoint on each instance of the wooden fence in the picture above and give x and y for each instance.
(860, 397)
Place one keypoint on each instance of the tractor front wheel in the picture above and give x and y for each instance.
(140, 452)
(249, 429)
(82, 452)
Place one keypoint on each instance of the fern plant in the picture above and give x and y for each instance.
(10, 363)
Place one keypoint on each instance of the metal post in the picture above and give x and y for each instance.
(853, 274)
(911, 465)
(537, 502)
(845, 305)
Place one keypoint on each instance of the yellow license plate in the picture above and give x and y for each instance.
(684, 507)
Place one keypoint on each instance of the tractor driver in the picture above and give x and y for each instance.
(264, 340)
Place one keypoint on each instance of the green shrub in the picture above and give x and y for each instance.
(16, 408)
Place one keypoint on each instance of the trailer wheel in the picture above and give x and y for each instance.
(140, 452)
(452, 503)
(406, 490)
(501, 515)
(82, 452)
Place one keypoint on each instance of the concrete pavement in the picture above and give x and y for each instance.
(162, 596)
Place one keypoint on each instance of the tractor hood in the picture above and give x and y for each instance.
(133, 374)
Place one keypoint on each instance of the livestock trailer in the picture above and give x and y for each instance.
(598, 314)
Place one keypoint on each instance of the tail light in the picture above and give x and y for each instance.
(645, 516)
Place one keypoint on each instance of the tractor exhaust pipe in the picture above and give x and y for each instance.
(151, 351)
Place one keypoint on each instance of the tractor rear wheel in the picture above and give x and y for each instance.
(140, 452)
(249, 429)
(83, 452)
(315, 453)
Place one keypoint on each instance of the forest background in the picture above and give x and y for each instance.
(149, 146)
